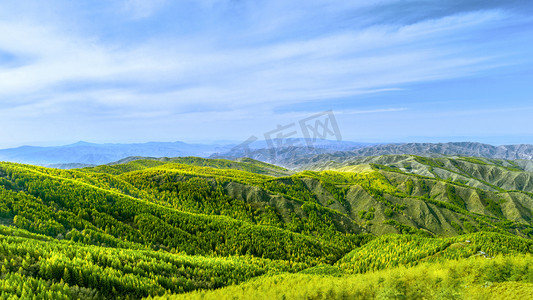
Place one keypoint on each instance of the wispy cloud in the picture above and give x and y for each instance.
(231, 56)
(140, 9)
(297, 71)
(370, 111)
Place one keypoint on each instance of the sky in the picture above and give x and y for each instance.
(207, 71)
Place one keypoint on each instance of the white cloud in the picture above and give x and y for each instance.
(162, 78)
(337, 65)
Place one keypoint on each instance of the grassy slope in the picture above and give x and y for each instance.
(383, 199)
(393, 250)
(107, 216)
(428, 178)
(475, 278)
(219, 208)
(245, 164)
(473, 186)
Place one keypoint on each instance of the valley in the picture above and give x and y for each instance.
(148, 227)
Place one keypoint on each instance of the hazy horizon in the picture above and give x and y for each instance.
(131, 71)
(235, 142)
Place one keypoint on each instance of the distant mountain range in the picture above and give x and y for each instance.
(303, 157)
(83, 154)
(296, 151)
(523, 151)
(293, 153)
(96, 154)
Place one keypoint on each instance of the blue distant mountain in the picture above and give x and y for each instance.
(292, 154)
(82, 153)
(94, 154)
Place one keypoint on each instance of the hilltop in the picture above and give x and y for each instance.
(159, 226)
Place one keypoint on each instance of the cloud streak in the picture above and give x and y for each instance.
(51, 71)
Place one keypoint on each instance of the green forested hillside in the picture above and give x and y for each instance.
(153, 227)
(141, 163)
(476, 278)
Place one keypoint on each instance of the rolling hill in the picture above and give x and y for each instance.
(163, 226)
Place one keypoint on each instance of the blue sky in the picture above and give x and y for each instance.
(208, 70)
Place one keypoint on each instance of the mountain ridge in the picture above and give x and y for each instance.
(301, 158)
(297, 155)
(162, 226)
